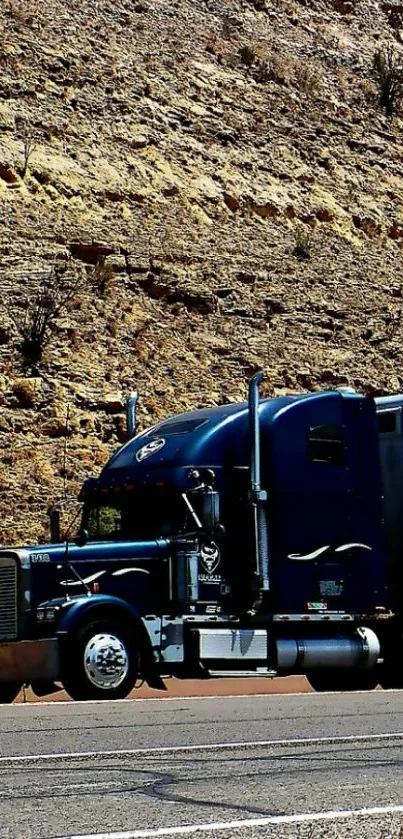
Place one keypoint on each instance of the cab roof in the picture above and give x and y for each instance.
(207, 437)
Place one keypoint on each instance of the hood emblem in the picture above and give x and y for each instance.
(150, 448)
(209, 556)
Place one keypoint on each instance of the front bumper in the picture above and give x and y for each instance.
(26, 661)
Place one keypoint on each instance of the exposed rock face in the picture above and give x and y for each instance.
(222, 180)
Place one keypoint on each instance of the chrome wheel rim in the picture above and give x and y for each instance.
(106, 661)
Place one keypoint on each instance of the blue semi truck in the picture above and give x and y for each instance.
(260, 538)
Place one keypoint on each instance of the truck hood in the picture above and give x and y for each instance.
(58, 553)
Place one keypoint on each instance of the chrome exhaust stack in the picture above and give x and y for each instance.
(258, 496)
(131, 409)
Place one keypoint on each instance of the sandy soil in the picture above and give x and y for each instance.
(198, 687)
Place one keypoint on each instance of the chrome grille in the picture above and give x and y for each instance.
(8, 599)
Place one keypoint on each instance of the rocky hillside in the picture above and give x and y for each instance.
(190, 190)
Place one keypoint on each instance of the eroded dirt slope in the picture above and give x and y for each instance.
(223, 181)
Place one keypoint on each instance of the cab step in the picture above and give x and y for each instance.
(243, 674)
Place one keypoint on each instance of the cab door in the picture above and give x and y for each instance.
(325, 505)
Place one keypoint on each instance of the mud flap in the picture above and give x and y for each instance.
(154, 680)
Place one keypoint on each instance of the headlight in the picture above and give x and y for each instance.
(47, 613)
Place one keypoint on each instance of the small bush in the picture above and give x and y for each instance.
(388, 72)
(102, 276)
(247, 55)
(273, 69)
(395, 20)
(35, 316)
(303, 244)
(308, 78)
(30, 144)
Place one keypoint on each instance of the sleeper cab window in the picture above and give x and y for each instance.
(389, 422)
(326, 444)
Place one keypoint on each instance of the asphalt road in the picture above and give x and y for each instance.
(83, 769)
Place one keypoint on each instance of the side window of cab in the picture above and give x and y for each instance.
(326, 444)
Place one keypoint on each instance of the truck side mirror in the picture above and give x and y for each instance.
(81, 538)
(210, 514)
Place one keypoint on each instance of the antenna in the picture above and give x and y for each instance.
(54, 509)
(66, 431)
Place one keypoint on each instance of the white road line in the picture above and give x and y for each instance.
(203, 747)
(297, 818)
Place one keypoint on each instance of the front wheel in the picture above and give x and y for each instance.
(100, 662)
(343, 680)
(8, 692)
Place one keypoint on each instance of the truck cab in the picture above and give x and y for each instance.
(320, 468)
(241, 539)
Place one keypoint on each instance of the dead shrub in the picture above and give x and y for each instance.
(35, 313)
(388, 74)
(303, 244)
(272, 69)
(395, 19)
(30, 144)
(247, 55)
(102, 277)
(308, 79)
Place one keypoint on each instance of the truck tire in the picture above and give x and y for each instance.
(100, 661)
(8, 692)
(343, 680)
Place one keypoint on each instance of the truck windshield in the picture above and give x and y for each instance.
(134, 519)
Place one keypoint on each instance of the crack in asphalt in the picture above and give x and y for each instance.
(159, 779)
